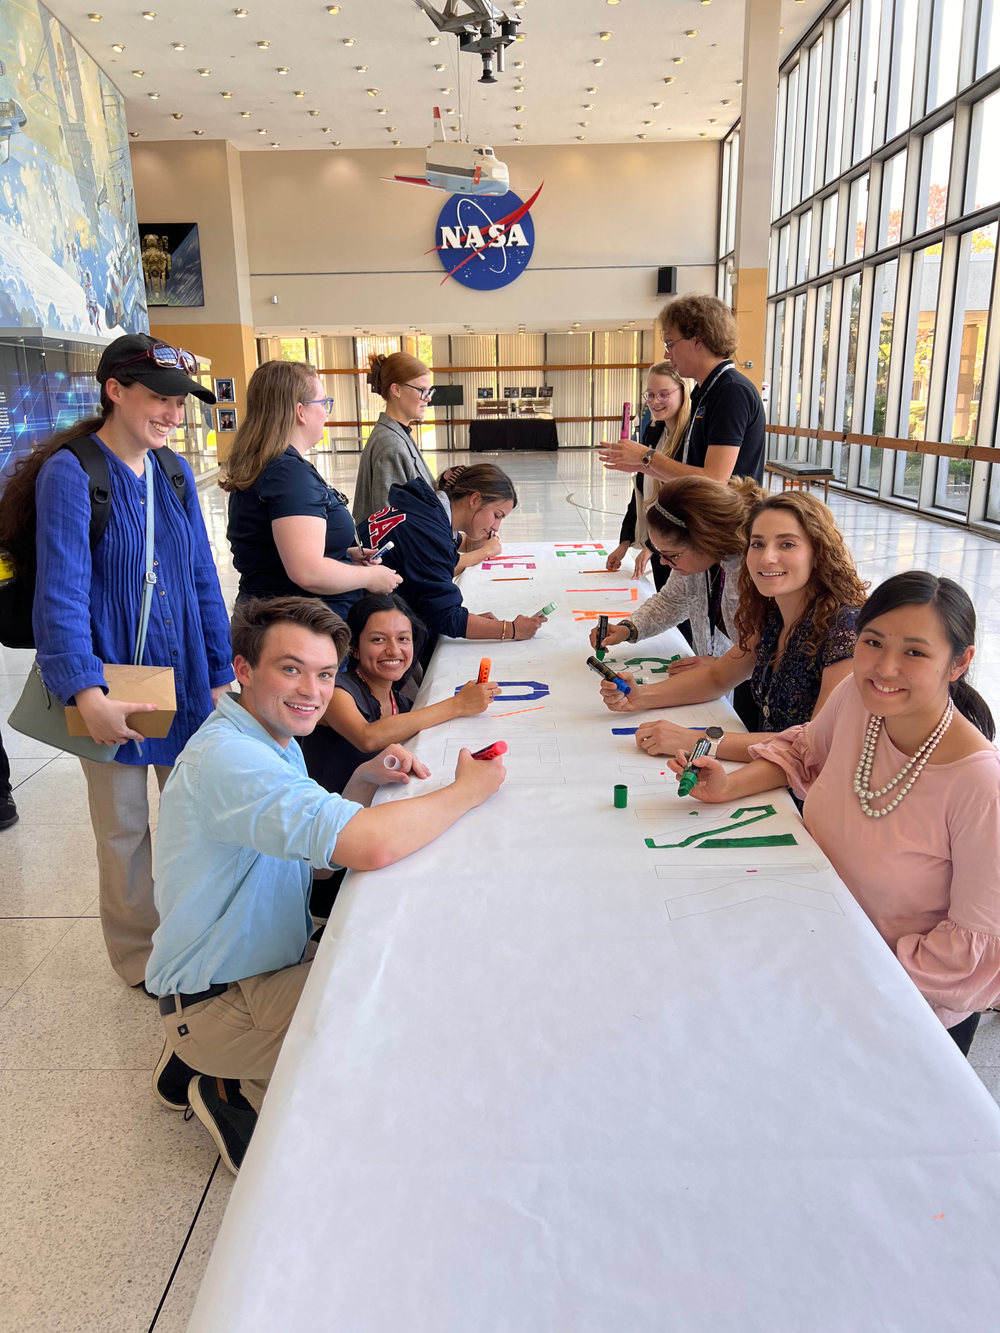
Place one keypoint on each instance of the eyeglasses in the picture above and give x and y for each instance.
(167, 358)
(670, 560)
(327, 404)
(671, 345)
(424, 393)
(654, 397)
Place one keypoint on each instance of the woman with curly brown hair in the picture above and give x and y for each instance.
(799, 598)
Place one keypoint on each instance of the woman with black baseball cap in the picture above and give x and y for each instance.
(87, 604)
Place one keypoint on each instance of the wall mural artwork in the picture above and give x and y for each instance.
(171, 263)
(69, 248)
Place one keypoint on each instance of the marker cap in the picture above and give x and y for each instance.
(621, 795)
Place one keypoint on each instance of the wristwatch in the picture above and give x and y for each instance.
(633, 633)
(715, 735)
(647, 457)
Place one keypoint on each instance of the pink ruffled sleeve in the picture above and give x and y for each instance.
(956, 965)
(802, 751)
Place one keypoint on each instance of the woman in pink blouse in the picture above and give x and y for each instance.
(902, 792)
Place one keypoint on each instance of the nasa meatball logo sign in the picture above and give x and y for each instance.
(485, 242)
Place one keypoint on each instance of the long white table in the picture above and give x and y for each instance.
(546, 1076)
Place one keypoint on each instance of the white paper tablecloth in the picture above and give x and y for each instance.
(546, 1077)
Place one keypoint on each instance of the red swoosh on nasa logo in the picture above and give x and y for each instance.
(504, 224)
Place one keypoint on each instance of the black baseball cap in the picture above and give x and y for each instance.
(127, 355)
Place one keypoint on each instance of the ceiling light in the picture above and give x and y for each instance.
(519, 88)
(178, 46)
(440, 68)
(584, 124)
(450, 110)
(581, 136)
(456, 128)
(593, 90)
(246, 114)
(588, 106)
(325, 129)
(446, 90)
(397, 143)
(347, 41)
(657, 105)
(382, 111)
(640, 136)
(678, 60)
(390, 129)
(138, 73)
(361, 69)
(334, 143)
(263, 45)
(739, 83)
(197, 131)
(606, 36)
(712, 120)
(240, 13)
(118, 46)
(333, 9)
(227, 95)
(726, 101)
(275, 145)
(282, 69)
(647, 122)
(519, 64)
(518, 4)
(670, 79)
(373, 92)
(153, 96)
(433, 41)
(519, 108)
(691, 32)
(262, 131)
(314, 113)
(519, 127)
(702, 135)
(204, 73)
(519, 37)
(597, 62)
(576, 325)
(299, 93)
(177, 115)
(149, 14)
(94, 18)
(133, 134)
(519, 139)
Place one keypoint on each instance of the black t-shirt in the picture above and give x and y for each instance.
(288, 487)
(727, 412)
(331, 758)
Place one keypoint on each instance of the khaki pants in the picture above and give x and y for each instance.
(238, 1034)
(119, 812)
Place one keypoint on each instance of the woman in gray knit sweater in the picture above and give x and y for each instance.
(391, 454)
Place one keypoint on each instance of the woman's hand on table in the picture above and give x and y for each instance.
(407, 765)
(526, 627)
(615, 634)
(475, 698)
(713, 781)
(614, 561)
(619, 702)
(686, 664)
(479, 777)
(664, 737)
(622, 455)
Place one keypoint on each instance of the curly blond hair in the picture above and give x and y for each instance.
(834, 582)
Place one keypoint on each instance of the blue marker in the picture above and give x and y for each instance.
(609, 675)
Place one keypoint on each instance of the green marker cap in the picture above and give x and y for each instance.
(547, 610)
(689, 779)
(600, 653)
(621, 796)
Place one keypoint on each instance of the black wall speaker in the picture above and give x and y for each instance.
(666, 282)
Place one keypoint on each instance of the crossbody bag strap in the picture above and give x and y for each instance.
(149, 580)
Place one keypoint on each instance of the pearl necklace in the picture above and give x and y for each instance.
(863, 774)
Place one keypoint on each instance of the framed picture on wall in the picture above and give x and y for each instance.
(511, 393)
(225, 391)
(225, 420)
(483, 394)
(529, 393)
(545, 391)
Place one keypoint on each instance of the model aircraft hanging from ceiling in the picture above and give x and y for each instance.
(459, 168)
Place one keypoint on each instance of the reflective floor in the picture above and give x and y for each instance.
(111, 1203)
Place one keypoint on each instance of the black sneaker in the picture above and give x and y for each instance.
(171, 1078)
(8, 811)
(226, 1114)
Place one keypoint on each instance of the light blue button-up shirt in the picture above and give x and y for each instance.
(241, 828)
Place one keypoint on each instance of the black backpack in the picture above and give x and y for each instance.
(17, 597)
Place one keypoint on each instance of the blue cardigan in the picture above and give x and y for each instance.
(86, 607)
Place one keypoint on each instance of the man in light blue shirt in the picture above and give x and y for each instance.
(241, 829)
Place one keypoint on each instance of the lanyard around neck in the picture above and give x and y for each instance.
(706, 389)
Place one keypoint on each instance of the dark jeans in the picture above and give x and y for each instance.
(4, 770)
(962, 1033)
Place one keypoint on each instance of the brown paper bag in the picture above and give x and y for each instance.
(136, 685)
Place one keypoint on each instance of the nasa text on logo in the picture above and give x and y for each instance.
(466, 224)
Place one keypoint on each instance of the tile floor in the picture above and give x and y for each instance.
(111, 1203)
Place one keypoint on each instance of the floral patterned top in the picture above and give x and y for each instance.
(786, 695)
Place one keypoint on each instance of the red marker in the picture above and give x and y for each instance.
(493, 751)
(484, 671)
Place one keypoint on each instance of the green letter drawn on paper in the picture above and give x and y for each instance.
(712, 835)
(657, 670)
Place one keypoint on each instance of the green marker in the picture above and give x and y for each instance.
(689, 777)
(546, 610)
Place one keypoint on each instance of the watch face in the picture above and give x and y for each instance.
(714, 733)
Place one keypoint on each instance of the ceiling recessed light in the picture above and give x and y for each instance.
(450, 110)
(275, 145)
(138, 73)
(204, 73)
(584, 124)
(446, 90)
(333, 9)
(149, 14)
(606, 36)
(647, 122)
(397, 143)
(519, 127)
(588, 106)
(118, 46)
(95, 18)
(334, 143)
(726, 101)
(347, 41)
(691, 32)
(325, 129)
(314, 113)
(670, 79)
(373, 92)
(227, 96)
(282, 69)
(390, 129)
(240, 13)
(678, 60)
(640, 136)
(712, 120)
(178, 46)
(299, 93)
(519, 37)
(133, 134)
(440, 68)
(263, 45)
(246, 114)
(517, 108)
(520, 64)
(197, 131)
(177, 115)
(361, 69)
(739, 83)
(153, 96)
(657, 105)
(519, 88)
(597, 62)
(456, 128)
(519, 139)
(262, 131)
(581, 136)
(703, 135)
(593, 90)
(433, 41)
(518, 4)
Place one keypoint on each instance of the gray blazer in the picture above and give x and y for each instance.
(390, 455)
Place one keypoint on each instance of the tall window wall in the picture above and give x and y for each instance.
(886, 206)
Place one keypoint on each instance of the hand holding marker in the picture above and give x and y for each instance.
(493, 751)
(609, 675)
(602, 634)
(689, 778)
(545, 611)
(626, 420)
(485, 666)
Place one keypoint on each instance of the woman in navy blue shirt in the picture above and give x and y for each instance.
(86, 611)
(291, 533)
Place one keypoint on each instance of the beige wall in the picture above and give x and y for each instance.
(339, 246)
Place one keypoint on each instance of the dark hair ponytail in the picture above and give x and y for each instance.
(958, 620)
(360, 612)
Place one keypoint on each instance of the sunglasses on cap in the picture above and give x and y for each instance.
(167, 358)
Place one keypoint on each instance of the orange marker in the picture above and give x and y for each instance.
(484, 671)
